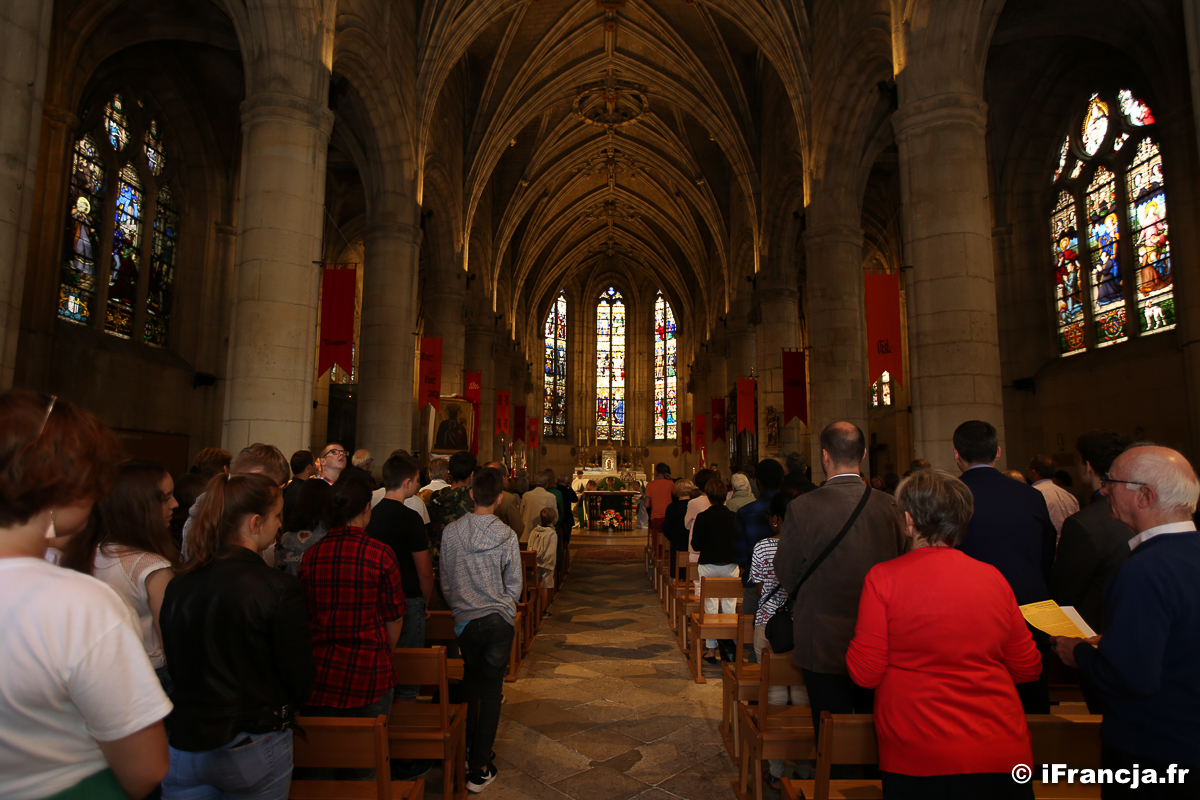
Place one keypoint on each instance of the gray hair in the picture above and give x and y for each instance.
(542, 479)
(1167, 472)
(740, 482)
(684, 488)
(939, 503)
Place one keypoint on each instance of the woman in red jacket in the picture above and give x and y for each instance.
(941, 640)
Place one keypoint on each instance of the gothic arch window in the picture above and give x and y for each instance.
(881, 391)
(554, 415)
(610, 366)
(1108, 228)
(117, 227)
(666, 406)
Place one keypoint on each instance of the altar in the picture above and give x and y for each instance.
(616, 510)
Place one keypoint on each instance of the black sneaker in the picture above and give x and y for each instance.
(407, 770)
(477, 780)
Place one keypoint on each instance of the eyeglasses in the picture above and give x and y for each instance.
(337, 453)
(1107, 479)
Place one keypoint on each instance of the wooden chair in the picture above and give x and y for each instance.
(435, 731)
(439, 630)
(772, 732)
(687, 602)
(347, 743)
(1070, 740)
(739, 682)
(532, 594)
(674, 585)
(845, 739)
(518, 646)
(703, 626)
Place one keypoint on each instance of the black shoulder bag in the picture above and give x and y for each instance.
(779, 630)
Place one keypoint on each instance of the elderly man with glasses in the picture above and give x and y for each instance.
(1147, 662)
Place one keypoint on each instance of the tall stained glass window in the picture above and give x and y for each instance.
(881, 391)
(610, 366)
(666, 405)
(107, 242)
(1115, 196)
(554, 415)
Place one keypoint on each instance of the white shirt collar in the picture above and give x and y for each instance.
(1150, 533)
(1040, 482)
(845, 475)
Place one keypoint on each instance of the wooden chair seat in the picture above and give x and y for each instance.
(703, 626)
(435, 731)
(347, 743)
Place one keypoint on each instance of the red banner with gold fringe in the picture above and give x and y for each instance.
(685, 433)
(718, 418)
(429, 378)
(502, 413)
(795, 387)
(883, 326)
(533, 432)
(339, 289)
(745, 406)
(519, 423)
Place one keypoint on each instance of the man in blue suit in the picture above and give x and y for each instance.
(1012, 531)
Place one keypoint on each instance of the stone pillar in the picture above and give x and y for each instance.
(478, 358)
(953, 342)
(444, 299)
(272, 349)
(743, 343)
(25, 41)
(386, 337)
(779, 327)
(719, 384)
(837, 367)
(701, 403)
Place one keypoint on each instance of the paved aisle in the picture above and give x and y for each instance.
(605, 708)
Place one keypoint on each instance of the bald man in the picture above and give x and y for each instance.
(1146, 665)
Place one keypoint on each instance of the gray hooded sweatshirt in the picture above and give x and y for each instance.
(481, 568)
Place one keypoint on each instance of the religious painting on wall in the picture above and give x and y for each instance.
(452, 426)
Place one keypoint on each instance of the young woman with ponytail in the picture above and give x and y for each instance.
(237, 640)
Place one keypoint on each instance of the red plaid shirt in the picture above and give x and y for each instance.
(352, 589)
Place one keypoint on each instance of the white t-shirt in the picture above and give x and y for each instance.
(74, 671)
(124, 570)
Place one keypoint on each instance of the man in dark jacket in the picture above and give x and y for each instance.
(827, 604)
(1012, 531)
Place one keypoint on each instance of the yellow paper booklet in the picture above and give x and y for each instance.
(1056, 620)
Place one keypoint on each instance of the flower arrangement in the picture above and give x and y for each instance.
(611, 518)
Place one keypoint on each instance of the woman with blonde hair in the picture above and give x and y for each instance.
(236, 637)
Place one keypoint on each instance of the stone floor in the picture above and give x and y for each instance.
(605, 708)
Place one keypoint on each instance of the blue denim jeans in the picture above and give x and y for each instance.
(486, 644)
(253, 766)
(412, 634)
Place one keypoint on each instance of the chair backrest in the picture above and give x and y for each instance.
(693, 571)
(1074, 741)
(345, 742)
(844, 739)
(726, 588)
(777, 669)
(529, 560)
(439, 627)
(424, 666)
(745, 638)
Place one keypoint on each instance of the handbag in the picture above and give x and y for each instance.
(779, 630)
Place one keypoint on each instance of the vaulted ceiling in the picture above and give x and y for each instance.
(602, 131)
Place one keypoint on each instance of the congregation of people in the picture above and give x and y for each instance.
(163, 634)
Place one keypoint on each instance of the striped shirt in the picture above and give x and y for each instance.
(762, 572)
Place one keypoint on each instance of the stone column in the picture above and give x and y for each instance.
(386, 337)
(953, 342)
(778, 328)
(478, 358)
(837, 368)
(743, 342)
(444, 299)
(25, 41)
(718, 387)
(701, 403)
(272, 349)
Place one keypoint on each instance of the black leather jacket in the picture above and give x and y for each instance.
(235, 633)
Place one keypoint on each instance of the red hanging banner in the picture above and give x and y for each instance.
(533, 432)
(519, 423)
(685, 429)
(700, 430)
(338, 290)
(430, 378)
(745, 406)
(795, 387)
(502, 413)
(883, 326)
(473, 382)
(718, 418)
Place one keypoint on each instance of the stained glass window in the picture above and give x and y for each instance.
(115, 122)
(881, 391)
(1115, 194)
(105, 232)
(162, 269)
(77, 287)
(126, 253)
(666, 405)
(554, 415)
(1067, 276)
(1151, 247)
(1062, 158)
(610, 366)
